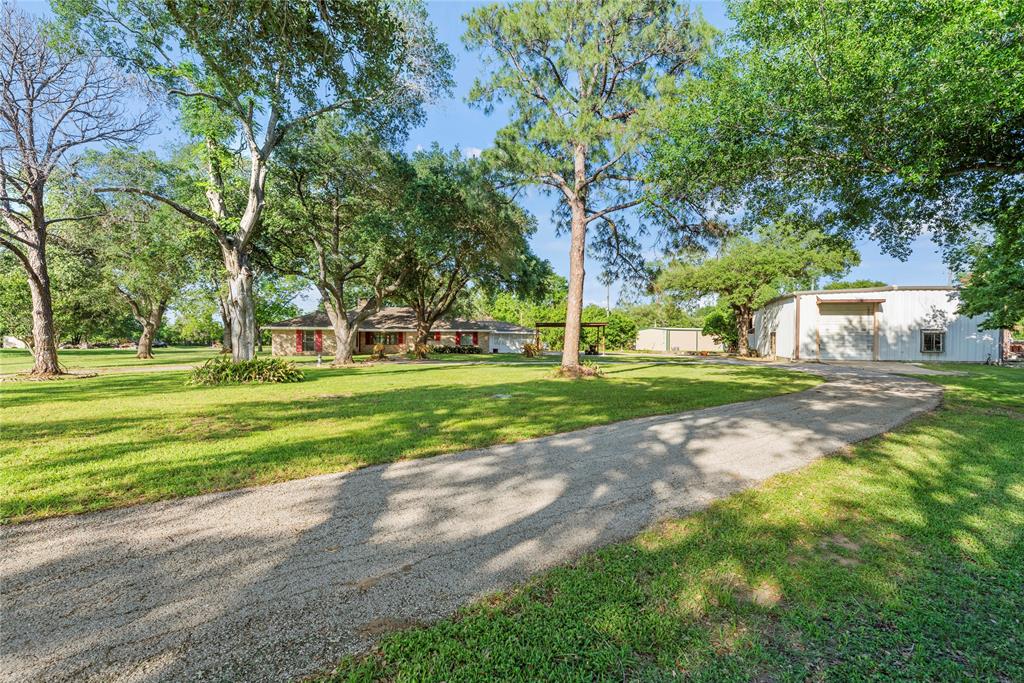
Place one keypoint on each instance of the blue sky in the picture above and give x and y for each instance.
(452, 123)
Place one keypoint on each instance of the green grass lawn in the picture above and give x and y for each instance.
(902, 559)
(20, 360)
(75, 445)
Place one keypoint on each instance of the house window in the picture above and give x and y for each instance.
(308, 341)
(386, 338)
(933, 341)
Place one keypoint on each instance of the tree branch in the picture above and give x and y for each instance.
(611, 209)
(180, 208)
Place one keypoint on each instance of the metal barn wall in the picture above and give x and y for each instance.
(905, 313)
(901, 317)
(682, 340)
(651, 339)
(776, 317)
(675, 339)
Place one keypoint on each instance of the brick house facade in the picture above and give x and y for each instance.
(395, 328)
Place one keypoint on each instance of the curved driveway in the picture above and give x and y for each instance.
(276, 582)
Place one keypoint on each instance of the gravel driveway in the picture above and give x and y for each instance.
(276, 582)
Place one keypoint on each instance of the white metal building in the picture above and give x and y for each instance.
(898, 323)
(675, 340)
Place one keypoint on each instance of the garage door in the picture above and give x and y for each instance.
(509, 343)
(846, 331)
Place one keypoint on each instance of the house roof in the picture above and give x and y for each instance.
(865, 290)
(396, 318)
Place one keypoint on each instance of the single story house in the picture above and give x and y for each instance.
(675, 340)
(395, 328)
(896, 323)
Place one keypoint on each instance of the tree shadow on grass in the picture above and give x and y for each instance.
(244, 439)
(281, 581)
(892, 565)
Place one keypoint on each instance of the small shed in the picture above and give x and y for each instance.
(676, 340)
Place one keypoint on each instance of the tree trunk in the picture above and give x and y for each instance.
(742, 325)
(44, 339)
(574, 303)
(241, 310)
(345, 334)
(225, 315)
(145, 347)
(150, 325)
(422, 333)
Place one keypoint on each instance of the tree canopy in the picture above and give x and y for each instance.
(256, 72)
(583, 80)
(457, 228)
(749, 272)
(854, 284)
(884, 118)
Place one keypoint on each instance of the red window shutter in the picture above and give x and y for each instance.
(458, 338)
(476, 338)
(401, 337)
(369, 338)
(437, 336)
(319, 341)
(298, 341)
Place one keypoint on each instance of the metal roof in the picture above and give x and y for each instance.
(850, 301)
(865, 290)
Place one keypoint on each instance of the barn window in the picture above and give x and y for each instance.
(387, 338)
(933, 341)
(308, 340)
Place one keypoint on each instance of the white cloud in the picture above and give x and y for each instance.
(472, 152)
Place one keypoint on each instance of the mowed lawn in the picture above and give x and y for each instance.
(85, 444)
(14, 361)
(20, 360)
(901, 559)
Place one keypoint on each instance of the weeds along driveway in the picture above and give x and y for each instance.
(281, 581)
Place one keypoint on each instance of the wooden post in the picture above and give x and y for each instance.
(796, 329)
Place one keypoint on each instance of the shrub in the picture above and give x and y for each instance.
(256, 371)
(460, 348)
(421, 351)
(531, 350)
(378, 352)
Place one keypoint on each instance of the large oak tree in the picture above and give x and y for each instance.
(253, 72)
(336, 222)
(884, 118)
(53, 104)
(455, 228)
